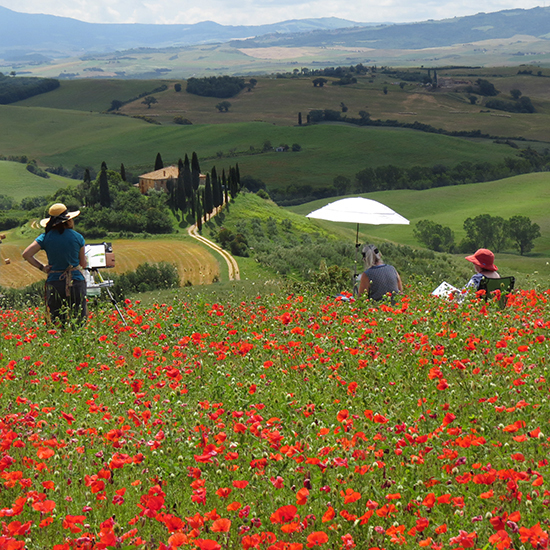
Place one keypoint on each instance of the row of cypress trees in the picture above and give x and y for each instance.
(185, 195)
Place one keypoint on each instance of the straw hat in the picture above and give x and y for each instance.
(58, 214)
(483, 258)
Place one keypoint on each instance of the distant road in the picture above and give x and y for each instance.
(232, 266)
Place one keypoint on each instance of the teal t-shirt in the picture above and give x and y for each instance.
(63, 250)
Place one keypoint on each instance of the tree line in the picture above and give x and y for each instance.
(483, 231)
(389, 177)
(215, 86)
(14, 89)
(189, 199)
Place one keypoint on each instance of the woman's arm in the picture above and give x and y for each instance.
(364, 284)
(82, 258)
(28, 255)
(399, 283)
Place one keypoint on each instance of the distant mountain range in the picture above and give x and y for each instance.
(35, 37)
(23, 34)
(533, 22)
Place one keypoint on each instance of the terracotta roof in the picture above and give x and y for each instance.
(162, 174)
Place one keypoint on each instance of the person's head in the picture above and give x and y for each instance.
(483, 260)
(60, 218)
(371, 255)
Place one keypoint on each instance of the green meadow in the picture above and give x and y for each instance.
(17, 182)
(279, 100)
(66, 137)
(90, 95)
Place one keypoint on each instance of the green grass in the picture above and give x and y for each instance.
(55, 137)
(17, 182)
(90, 95)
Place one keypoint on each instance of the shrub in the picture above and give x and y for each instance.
(181, 120)
(145, 278)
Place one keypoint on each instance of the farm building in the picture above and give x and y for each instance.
(157, 179)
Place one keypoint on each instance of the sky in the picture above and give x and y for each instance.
(260, 12)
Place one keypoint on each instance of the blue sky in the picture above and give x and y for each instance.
(257, 12)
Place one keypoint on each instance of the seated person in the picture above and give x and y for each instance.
(379, 278)
(484, 264)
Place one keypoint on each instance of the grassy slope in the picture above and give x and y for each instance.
(90, 95)
(75, 137)
(17, 182)
(525, 195)
(278, 101)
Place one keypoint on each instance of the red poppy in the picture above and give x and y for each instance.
(284, 514)
(317, 538)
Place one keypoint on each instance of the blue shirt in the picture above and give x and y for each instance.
(63, 250)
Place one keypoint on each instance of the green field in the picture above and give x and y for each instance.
(90, 95)
(278, 101)
(17, 182)
(55, 137)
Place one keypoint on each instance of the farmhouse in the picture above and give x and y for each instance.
(157, 180)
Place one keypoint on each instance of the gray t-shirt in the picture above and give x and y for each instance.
(383, 279)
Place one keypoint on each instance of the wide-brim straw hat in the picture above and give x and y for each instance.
(58, 214)
(483, 258)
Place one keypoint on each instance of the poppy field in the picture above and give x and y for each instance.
(282, 422)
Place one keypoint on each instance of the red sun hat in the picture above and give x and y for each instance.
(483, 258)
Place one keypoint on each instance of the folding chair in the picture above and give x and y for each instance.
(504, 284)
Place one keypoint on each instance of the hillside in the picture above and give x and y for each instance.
(533, 22)
(67, 137)
(17, 182)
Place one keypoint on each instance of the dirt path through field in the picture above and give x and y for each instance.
(232, 265)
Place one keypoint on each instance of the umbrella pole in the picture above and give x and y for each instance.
(357, 245)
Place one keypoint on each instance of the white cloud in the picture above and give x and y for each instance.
(254, 12)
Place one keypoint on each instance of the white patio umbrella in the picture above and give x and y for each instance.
(358, 210)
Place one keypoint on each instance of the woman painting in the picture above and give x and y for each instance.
(484, 265)
(64, 247)
(378, 279)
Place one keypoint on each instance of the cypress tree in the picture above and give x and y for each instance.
(216, 189)
(158, 162)
(104, 194)
(122, 172)
(299, 119)
(180, 202)
(232, 182)
(193, 203)
(85, 187)
(195, 171)
(224, 186)
(238, 176)
(199, 214)
(187, 184)
(208, 199)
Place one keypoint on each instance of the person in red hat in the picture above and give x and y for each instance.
(484, 264)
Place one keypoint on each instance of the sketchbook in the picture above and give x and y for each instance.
(444, 289)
